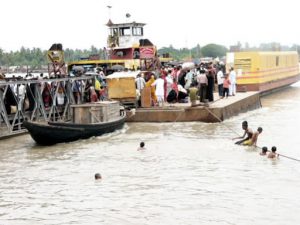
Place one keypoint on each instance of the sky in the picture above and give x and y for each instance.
(79, 24)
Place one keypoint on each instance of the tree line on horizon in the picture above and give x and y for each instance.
(215, 50)
(37, 57)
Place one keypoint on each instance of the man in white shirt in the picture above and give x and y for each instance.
(232, 78)
(188, 79)
(169, 79)
(159, 90)
(220, 80)
(202, 81)
(140, 82)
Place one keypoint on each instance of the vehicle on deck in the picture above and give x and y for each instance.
(122, 88)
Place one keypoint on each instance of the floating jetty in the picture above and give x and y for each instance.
(11, 123)
(212, 112)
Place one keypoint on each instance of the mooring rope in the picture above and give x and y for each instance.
(179, 116)
(288, 157)
(209, 111)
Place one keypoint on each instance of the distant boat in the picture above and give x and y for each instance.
(59, 132)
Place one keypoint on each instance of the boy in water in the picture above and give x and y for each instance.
(264, 151)
(247, 131)
(273, 154)
(98, 176)
(142, 146)
(253, 140)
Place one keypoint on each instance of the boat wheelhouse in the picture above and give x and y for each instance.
(126, 46)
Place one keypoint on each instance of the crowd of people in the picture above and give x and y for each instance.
(93, 90)
(21, 91)
(169, 84)
(175, 83)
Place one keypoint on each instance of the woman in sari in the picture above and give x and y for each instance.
(149, 84)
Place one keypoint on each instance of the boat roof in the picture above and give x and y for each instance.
(125, 24)
(123, 74)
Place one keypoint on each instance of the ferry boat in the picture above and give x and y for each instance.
(264, 71)
(126, 47)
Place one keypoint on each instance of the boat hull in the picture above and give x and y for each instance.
(268, 86)
(54, 132)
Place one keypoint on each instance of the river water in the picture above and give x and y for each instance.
(190, 173)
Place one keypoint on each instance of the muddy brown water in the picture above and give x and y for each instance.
(190, 173)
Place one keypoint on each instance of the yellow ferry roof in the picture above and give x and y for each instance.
(265, 53)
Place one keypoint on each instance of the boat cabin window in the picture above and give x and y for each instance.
(120, 53)
(277, 60)
(136, 53)
(137, 31)
(114, 31)
(125, 31)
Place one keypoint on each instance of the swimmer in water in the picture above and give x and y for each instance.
(254, 138)
(273, 154)
(247, 131)
(142, 146)
(264, 151)
(98, 176)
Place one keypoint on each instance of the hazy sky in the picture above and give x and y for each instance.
(81, 23)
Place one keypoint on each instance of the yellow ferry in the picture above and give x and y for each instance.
(264, 71)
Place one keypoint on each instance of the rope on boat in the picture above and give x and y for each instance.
(285, 156)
